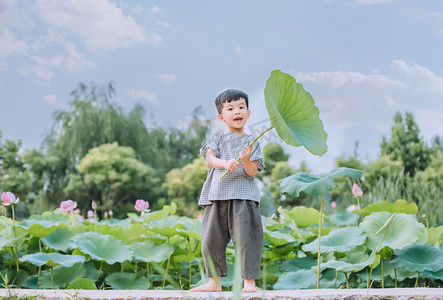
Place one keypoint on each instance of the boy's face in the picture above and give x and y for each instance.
(235, 114)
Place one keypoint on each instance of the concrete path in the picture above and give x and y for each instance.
(409, 293)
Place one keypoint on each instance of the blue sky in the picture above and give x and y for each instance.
(362, 60)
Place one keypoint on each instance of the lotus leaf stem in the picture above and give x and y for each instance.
(395, 275)
(52, 277)
(250, 145)
(319, 240)
(416, 281)
(99, 271)
(382, 274)
(335, 282)
(166, 272)
(347, 281)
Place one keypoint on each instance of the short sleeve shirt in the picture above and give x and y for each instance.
(236, 184)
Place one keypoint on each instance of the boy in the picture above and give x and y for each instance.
(231, 204)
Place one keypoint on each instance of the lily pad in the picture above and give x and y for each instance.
(148, 251)
(338, 240)
(404, 230)
(293, 113)
(434, 235)
(294, 264)
(300, 279)
(42, 225)
(167, 227)
(315, 185)
(103, 247)
(60, 239)
(419, 258)
(52, 259)
(127, 281)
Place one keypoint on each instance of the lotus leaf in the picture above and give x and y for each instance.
(338, 240)
(103, 247)
(15, 278)
(327, 280)
(315, 185)
(399, 206)
(404, 230)
(60, 239)
(82, 284)
(277, 238)
(293, 113)
(41, 226)
(62, 276)
(350, 264)
(419, 258)
(300, 279)
(127, 281)
(294, 264)
(52, 259)
(166, 211)
(434, 235)
(388, 271)
(3, 241)
(344, 218)
(148, 251)
(167, 227)
(302, 216)
(434, 275)
(15, 236)
(127, 233)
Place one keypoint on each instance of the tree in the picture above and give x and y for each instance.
(406, 146)
(273, 153)
(118, 176)
(183, 186)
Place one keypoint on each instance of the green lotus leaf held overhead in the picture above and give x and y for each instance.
(293, 113)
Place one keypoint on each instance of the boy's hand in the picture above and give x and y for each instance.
(232, 164)
(245, 154)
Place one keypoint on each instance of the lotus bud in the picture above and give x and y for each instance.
(94, 205)
(110, 213)
(106, 214)
(333, 204)
(90, 214)
(356, 190)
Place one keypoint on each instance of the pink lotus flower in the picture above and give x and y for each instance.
(200, 217)
(352, 207)
(90, 214)
(110, 213)
(94, 205)
(8, 198)
(106, 214)
(333, 204)
(68, 206)
(356, 190)
(141, 205)
(81, 218)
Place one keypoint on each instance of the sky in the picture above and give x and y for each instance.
(361, 60)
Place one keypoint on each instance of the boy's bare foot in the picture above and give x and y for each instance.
(249, 286)
(212, 286)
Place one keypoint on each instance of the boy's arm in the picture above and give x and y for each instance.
(251, 167)
(214, 162)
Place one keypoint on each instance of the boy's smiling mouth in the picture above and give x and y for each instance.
(238, 119)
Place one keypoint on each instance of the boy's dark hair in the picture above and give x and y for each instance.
(228, 96)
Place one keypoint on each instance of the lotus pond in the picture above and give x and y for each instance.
(383, 245)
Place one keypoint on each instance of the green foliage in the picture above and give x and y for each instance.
(293, 113)
(118, 175)
(406, 145)
(127, 281)
(183, 186)
(419, 258)
(272, 154)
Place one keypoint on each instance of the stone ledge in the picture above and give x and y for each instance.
(397, 294)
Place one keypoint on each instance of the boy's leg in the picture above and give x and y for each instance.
(246, 221)
(215, 238)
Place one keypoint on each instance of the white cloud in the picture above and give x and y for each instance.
(10, 44)
(44, 67)
(373, 1)
(155, 9)
(52, 100)
(167, 77)
(163, 24)
(150, 97)
(371, 100)
(101, 23)
(238, 50)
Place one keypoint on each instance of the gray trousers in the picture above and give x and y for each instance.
(239, 220)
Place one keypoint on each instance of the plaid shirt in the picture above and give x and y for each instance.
(236, 184)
